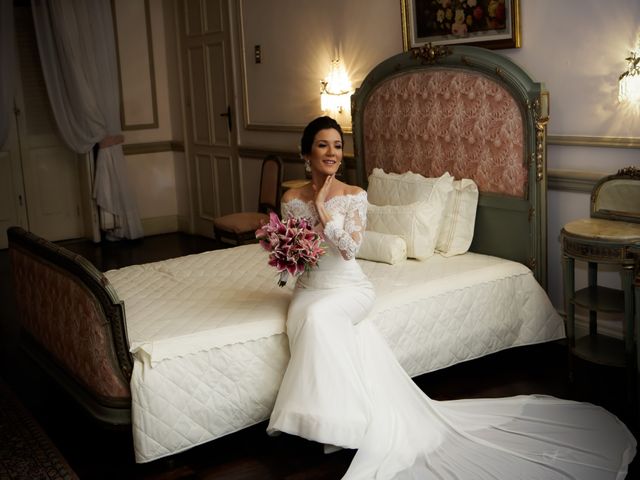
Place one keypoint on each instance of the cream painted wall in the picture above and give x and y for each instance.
(164, 131)
(154, 176)
(160, 179)
(575, 47)
(284, 90)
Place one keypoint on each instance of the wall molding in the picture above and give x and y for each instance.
(573, 180)
(593, 141)
(563, 180)
(144, 41)
(152, 147)
(248, 123)
(245, 55)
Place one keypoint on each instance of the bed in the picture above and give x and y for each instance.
(191, 349)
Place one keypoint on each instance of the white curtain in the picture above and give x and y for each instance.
(77, 49)
(7, 68)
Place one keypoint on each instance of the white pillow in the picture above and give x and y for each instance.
(401, 189)
(418, 223)
(458, 222)
(382, 247)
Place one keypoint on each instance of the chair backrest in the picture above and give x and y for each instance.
(270, 184)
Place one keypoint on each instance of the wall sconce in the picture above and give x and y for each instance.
(335, 95)
(629, 81)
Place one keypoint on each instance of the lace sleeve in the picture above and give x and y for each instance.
(349, 238)
(296, 208)
(286, 210)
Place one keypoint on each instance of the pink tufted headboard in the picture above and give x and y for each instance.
(476, 114)
(447, 120)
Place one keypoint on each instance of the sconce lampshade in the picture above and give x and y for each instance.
(335, 96)
(629, 81)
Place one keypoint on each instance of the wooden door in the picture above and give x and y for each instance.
(13, 210)
(40, 174)
(208, 92)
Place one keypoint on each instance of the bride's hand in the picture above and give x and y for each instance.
(323, 192)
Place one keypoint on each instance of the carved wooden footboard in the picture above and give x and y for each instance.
(72, 324)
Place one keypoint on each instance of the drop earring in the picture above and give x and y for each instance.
(307, 165)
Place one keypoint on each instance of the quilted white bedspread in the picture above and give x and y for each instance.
(207, 332)
(188, 304)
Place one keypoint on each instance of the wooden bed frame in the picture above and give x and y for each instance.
(74, 324)
(397, 95)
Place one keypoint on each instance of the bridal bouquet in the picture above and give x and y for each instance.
(293, 246)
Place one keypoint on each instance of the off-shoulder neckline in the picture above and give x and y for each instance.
(361, 192)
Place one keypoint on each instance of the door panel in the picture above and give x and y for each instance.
(211, 145)
(206, 191)
(7, 192)
(53, 192)
(218, 90)
(224, 169)
(214, 15)
(50, 170)
(199, 98)
(212, 171)
(12, 205)
(192, 14)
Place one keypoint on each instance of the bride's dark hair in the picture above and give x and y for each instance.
(314, 126)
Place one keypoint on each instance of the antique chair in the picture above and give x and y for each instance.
(240, 227)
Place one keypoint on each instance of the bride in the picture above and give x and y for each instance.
(344, 388)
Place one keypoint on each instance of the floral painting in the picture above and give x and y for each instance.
(487, 23)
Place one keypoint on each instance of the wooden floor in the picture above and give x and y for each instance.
(96, 453)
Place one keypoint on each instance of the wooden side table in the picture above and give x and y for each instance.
(595, 241)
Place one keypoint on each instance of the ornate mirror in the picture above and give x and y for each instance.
(617, 197)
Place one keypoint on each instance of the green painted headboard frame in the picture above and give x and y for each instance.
(507, 225)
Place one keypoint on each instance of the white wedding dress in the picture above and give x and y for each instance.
(344, 387)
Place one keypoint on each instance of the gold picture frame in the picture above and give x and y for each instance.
(491, 24)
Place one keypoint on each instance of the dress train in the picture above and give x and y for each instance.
(344, 387)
